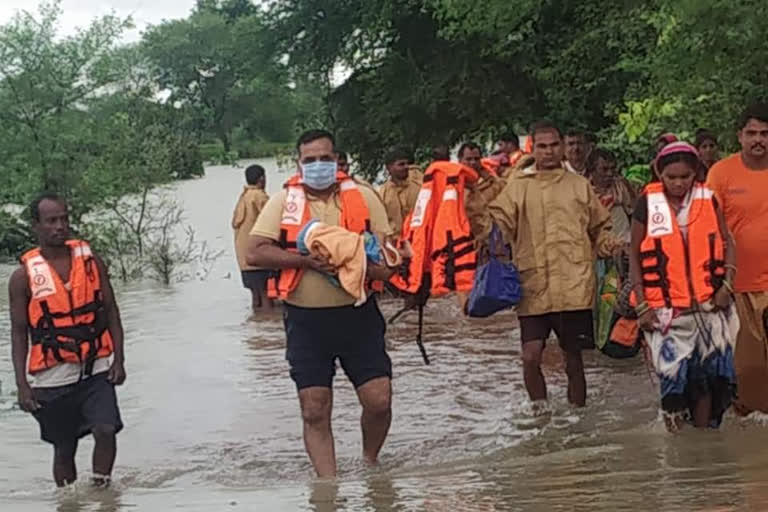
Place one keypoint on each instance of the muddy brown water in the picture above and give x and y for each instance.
(212, 420)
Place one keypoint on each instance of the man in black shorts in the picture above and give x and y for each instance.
(556, 225)
(249, 205)
(67, 339)
(322, 324)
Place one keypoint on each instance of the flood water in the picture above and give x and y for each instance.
(212, 419)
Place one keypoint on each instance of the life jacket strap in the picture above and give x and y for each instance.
(451, 244)
(283, 241)
(48, 335)
(659, 268)
(451, 256)
(715, 266)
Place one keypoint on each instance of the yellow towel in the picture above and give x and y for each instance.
(345, 251)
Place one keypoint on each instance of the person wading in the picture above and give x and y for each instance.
(708, 148)
(576, 152)
(509, 144)
(479, 194)
(441, 153)
(342, 160)
(67, 343)
(556, 225)
(321, 322)
(400, 191)
(740, 183)
(247, 210)
(682, 268)
(613, 190)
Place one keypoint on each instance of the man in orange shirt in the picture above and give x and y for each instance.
(740, 183)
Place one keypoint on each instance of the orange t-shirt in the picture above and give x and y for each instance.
(743, 196)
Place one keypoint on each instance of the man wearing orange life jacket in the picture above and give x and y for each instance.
(67, 343)
(682, 265)
(321, 322)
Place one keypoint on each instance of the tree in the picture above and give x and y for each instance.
(446, 70)
(710, 60)
(46, 83)
(80, 118)
(217, 63)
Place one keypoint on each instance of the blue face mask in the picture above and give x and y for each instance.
(319, 175)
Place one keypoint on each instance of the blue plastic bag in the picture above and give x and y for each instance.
(496, 286)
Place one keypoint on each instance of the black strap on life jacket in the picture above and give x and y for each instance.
(283, 240)
(55, 339)
(659, 268)
(715, 267)
(451, 268)
(451, 180)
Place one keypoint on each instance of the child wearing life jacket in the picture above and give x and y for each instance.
(682, 264)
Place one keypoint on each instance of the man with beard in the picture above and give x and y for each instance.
(740, 183)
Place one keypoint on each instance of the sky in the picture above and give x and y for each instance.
(79, 13)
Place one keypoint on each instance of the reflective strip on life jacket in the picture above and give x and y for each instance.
(66, 326)
(439, 234)
(355, 217)
(681, 271)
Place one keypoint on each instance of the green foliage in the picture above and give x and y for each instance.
(96, 120)
(443, 71)
(213, 152)
(448, 70)
(219, 65)
(14, 235)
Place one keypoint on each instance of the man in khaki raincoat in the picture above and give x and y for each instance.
(247, 210)
(480, 194)
(399, 193)
(557, 227)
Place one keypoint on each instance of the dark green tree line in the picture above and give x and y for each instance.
(446, 70)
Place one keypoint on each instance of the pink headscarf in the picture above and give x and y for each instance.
(669, 138)
(673, 148)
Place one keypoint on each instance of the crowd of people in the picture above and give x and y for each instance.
(693, 232)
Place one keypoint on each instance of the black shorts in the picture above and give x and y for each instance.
(255, 280)
(70, 412)
(574, 329)
(353, 335)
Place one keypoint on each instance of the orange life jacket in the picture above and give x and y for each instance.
(491, 165)
(66, 326)
(515, 157)
(355, 217)
(680, 271)
(439, 233)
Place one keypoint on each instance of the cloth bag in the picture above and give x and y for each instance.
(496, 286)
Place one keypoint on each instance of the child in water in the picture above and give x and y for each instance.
(682, 265)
